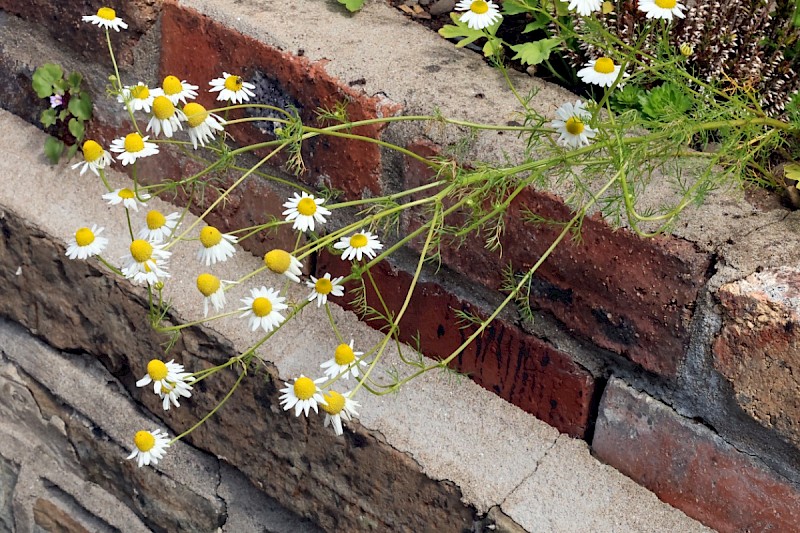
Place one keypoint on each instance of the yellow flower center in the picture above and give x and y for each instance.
(157, 370)
(84, 237)
(359, 240)
(106, 13)
(262, 306)
(334, 401)
(144, 440)
(604, 65)
(233, 83)
(134, 143)
(172, 85)
(574, 125)
(304, 388)
(125, 194)
(479, 7)
(141, 250)
(208, 284)
(155, 219)
(195, 114)
(323, 286)
(210, 236)
(163, 108)
(140, 92)
(666, 4)
(278, 261)
(92, 151)
(307, 207)
(344, 355)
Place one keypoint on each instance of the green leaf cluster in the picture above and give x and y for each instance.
(49, 80)
(493, 45)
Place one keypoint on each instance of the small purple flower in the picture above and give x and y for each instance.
(56, 100)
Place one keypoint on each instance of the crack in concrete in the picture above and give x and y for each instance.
(533, 472)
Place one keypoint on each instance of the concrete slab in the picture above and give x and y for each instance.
(455, 430)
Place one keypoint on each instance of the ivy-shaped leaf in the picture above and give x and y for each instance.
(53, 148)
(352, 5)
(45, 77)
(535, 52)
(74, 80)
(76, 128)
(48, 117)
(81, 107)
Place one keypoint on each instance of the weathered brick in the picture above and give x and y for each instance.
(628, 295)
(689, 466)
(197, 49)
(518, 367)
(758, 347)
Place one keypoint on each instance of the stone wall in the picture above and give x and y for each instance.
(650, 350)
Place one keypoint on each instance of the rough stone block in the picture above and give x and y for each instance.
(632, 296)
(518, 367)
(63, 21)
(758, 348)
(689, 466)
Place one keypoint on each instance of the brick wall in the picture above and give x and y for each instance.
(686, 376)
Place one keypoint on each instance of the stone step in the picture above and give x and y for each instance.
(441, 452)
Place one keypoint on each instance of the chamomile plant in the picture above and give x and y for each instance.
(604, 156)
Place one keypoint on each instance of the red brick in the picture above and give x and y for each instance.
(629, 295)
(520, 368)
(197, 49)
(758, 348)
(689, 466)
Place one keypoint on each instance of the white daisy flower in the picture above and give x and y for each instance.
(145, 262)
(162, 374)
(132, 147)
(324, 286)
(201, 124)
(601, 71)
(585, 7)
(106, 18)
(570, 123)
(662, 9)
(169, 380)
(337, 407)
(282, 262)
(159, 227)
(345, 362)
(137, 96)
(165, 117)
(176, 90)
(212, 290)
(479, 14)
(94, 158)
(305, 210)
(303, 394)
(263, 306)
(358, 245)
(86, 243)
(150, 446)
(126, 197)
(216, 246)
(232, 88)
